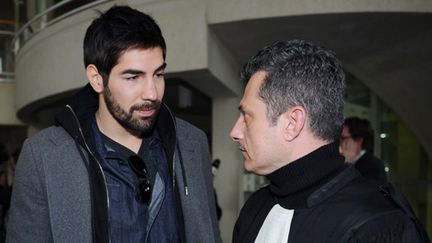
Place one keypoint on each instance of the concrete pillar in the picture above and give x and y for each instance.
(228, 181)
(7, 104)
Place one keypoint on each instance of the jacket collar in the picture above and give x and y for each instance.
(295, 182)
(76, 117)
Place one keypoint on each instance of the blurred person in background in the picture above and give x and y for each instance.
(356, 145)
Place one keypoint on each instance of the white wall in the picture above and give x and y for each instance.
(228, 181)
(7, 104)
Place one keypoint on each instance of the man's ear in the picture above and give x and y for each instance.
(94, 77)
(295, 121)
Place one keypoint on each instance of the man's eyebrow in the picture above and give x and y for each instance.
(161, 67)
(139, 72)
(132, 71)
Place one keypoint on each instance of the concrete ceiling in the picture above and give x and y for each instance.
(390, 52)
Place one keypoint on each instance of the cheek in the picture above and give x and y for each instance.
(342, 144)
(160, 89)
(348, 145)
(255, 143)
(129, 89)
(124, 97)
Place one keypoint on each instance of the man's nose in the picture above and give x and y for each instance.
(149, 90)
(236, 132)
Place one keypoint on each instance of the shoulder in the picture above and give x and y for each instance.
(53, 134)
(37, 149)
(187, 130)
(364, 198)
(252, 215)
(369, 158)
(262, 194)
(390, 226)
(262, 199)
(372, 168)
(349, 208)
(192, 139)
(356, 210)
(364, 211)
(47, 141)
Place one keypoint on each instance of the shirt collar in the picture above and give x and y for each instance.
(362, 152)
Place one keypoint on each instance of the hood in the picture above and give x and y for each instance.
(76, 117)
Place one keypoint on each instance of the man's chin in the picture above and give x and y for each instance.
(139, 126)
(247, 164)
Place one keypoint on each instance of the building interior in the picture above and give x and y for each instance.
(384, 47)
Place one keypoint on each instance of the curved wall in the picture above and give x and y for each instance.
(8, 110)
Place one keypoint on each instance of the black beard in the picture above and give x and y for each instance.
(139, 125)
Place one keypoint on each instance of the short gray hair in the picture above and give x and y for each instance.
(301, 73)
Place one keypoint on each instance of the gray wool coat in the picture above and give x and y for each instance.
(51, 199)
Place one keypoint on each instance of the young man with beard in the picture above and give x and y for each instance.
(291, 118)
(118, 167)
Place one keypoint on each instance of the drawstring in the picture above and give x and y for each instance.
(99, 224)
(183, 170)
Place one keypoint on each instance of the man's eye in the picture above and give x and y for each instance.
(131, 77)
(246, 120)
(160, 75)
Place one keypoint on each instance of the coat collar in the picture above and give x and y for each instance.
(295, 182)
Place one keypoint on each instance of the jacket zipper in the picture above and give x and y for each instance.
(173, 158)
(173, 161)
(94, 157)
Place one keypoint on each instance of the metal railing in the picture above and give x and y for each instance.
(49, 16)
(6, 56)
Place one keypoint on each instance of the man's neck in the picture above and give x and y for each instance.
(360, 154)
(305, 145)
(112, 129)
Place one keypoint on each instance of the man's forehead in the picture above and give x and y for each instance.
(254, 83)
(139, 60)
(251, 94)
(258, 76)
(345, 130)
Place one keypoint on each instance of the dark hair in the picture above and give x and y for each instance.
(361, 128)
(301, 73)
(115, 31)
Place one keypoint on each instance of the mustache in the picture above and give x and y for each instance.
(149, 105)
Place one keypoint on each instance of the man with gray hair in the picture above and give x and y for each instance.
(291, 118)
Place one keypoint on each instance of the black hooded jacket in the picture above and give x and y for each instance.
(76, 118)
